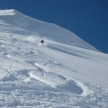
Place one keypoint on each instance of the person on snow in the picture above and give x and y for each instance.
(42, 41)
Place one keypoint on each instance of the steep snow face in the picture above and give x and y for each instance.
(51, 74)
(7, 27)
(7, 12)
(43, 29)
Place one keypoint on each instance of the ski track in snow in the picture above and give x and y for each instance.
(30, 79)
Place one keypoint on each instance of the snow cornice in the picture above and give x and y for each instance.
(6, 12)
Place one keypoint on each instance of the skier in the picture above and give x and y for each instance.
(42, 41)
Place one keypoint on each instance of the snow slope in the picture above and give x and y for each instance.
(7, 12)
(51, 75)
(45, 30)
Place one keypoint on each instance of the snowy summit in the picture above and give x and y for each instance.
(7, 12)
(44, 65)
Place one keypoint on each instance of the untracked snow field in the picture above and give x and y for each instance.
(50, 75)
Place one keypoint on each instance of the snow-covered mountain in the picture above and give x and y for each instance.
(43, 29)
(63, 72)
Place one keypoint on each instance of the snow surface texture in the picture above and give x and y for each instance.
(6, 12)
(53, 74)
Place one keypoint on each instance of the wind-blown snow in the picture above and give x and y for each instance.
(52, 75)
(7, 12)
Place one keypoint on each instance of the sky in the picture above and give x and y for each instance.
(86, 18)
